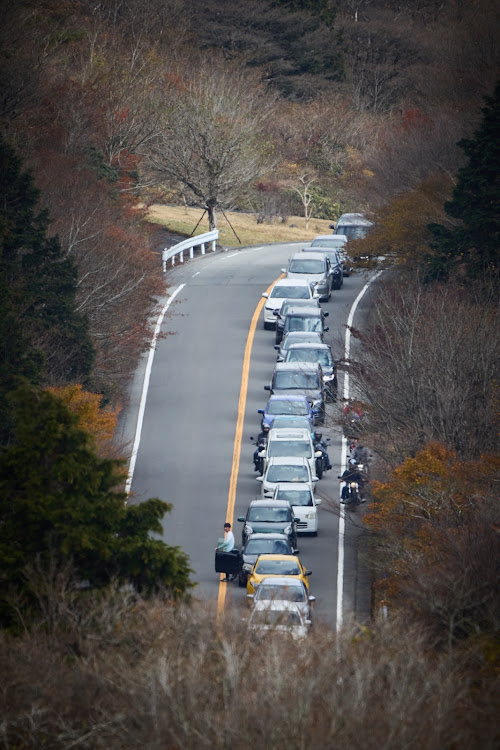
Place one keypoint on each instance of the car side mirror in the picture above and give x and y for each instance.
(315, 479)
(259, 479)
(241, 518)
(260, 411)
(265, 295)
(331, 226)
(308, 573)
(267, 387)
(326, 314)
(283, 270)
(318, 501)
(312, 598)
(296, 551)
(325, 329)
(297, 520)
(277, 347)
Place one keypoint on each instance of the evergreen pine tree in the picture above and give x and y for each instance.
(471, 249)
(42, 337)
(59, 499)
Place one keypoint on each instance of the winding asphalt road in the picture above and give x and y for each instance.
(187, 453)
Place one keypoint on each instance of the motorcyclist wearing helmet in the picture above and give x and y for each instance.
(260, 445)
(320, 445)
(353, 474)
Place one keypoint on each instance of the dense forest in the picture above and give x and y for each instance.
(276, 107)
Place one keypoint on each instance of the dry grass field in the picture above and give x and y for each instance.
(182, 220)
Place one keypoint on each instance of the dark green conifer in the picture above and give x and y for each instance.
(471, 248)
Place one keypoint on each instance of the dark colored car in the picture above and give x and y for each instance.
(268, 517)
(303, 319)
(300, 378)
(262, 544)
(290, 304)
(321, 353)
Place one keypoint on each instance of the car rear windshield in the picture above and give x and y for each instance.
(353, 232)
(328, 242)
(267, 547)
(288, 407)
(298, 379)
(295, 448)
(311, 266)
(277, 567)
(271, 515)
(294, 292)
(322, 356)
(269, 593)
(295, 497)
(287, 473)
(303, 323)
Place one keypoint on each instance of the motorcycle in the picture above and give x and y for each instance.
(351, 495)
(259, 454)
(320, 463)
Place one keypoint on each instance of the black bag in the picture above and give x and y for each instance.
(227, 562)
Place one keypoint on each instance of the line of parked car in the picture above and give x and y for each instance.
(286, 453)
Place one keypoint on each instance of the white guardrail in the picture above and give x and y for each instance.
(200, 241)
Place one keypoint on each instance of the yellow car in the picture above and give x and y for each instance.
(276, 565)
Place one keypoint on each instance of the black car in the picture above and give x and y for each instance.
(287, 305)
(302, 319)
(262, 544)
(267, 517)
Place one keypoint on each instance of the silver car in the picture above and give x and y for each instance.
(312, 266)
(284, 589)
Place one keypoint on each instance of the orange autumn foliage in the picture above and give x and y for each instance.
(427, 508)
(98, 422)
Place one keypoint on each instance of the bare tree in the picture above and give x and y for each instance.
(428, 368)
(213, 141)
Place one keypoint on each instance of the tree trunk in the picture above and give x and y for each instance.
(212, 218)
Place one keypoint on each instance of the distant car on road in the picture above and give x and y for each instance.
(280, 618)
(276, 565)
(262, 544)
(284, 589)
(297, 406)
(285, 289)
(314, 267)
(322, 354)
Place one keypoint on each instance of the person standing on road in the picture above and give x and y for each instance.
(228, 544)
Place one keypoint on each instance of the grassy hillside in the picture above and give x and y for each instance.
(182, 220)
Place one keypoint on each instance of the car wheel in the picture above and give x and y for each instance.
(314, 533)
(242, 581)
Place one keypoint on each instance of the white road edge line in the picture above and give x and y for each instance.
(343, 463)
(145, 386)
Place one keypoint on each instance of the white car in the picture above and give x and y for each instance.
(286, 471)
(286, 589)
(281, 617)
(304, 505)
(285, 289)
(290, 442)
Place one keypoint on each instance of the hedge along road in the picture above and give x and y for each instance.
(194, 407)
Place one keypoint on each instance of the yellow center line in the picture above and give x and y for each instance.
(239, 433)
